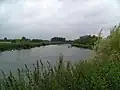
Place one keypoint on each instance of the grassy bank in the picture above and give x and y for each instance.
(82, 46)
(6, 46)
(13, 46)
(86, 41)
(99, 73)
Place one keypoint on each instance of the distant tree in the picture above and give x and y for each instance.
(23, 38)
(58, 39)
(87, 39)
(5, 38)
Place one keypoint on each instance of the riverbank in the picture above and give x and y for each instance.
(82, 46)
(18, 46)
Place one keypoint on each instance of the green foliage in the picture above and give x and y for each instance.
(58, 39)
(37, 40)
(5, 39)
(83, 45)
(110, 47)
(13, 46)
(23, 38)
(23, 43)
(87, 41)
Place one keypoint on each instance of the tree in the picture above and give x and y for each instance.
(5, 38)
(58, 39)
(87, 39)
(23, 38)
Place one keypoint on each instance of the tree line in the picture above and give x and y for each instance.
(23, 39)
(86, 39)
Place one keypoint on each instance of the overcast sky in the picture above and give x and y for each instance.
(47, 18)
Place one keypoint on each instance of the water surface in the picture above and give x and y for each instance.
(11, 60)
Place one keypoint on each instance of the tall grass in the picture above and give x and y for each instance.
(100, 73)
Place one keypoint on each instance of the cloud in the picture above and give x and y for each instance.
(48, 18)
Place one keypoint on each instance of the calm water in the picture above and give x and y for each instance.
(11, 60)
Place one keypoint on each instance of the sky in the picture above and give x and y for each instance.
(48, 18)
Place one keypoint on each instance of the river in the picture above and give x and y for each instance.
(11, 60)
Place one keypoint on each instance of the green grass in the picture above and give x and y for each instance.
(82, 45)
(99, 73)
(12, 46)
(6, 46)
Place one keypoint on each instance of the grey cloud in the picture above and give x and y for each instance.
(48, 18)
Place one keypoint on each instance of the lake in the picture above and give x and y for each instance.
(11, 60)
